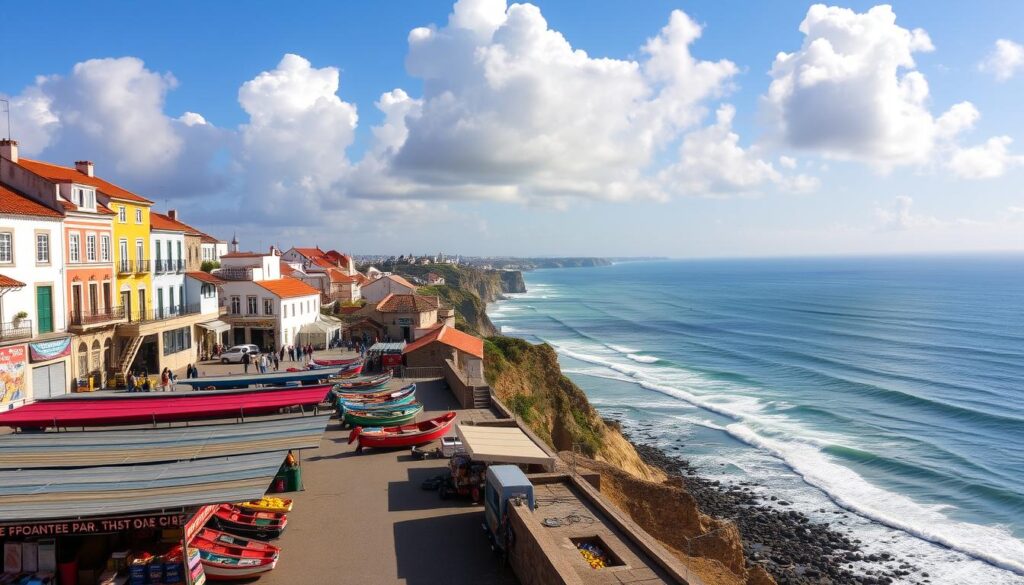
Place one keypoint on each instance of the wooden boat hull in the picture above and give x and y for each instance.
(360, 406)
(217, 537)
(217, 571)
(227, 557)
(261, 525)
(360, 385)
(327, 363)
(275, 378)
(397, 416)
(404, 435)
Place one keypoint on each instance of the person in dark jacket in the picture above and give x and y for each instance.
(246, 360)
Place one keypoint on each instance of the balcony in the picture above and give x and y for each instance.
(142, 266)
(97, 317)
(125, 267)
(168, 266)
(234, 273)
(164, 313)
(20, 330)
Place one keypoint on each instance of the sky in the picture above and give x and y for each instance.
(605, 128)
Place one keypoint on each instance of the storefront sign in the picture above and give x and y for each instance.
(12, 374)
(404, 321)
(49, 350)
(97, 526)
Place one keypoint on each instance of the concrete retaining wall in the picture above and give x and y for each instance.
(534, 555)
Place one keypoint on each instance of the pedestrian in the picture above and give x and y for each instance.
(133, 382)
(277, 363)
(263, 363)
(283, 346)
(165, 380)
(245, 362)
(146, 385)
(291, 353)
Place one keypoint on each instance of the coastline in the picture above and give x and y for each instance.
(793, 549)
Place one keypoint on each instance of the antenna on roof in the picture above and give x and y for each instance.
(7, 110)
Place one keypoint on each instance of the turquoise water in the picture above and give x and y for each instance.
(884, 394)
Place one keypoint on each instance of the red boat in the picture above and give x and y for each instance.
(87, 412)
(404, 435)
(227, 557)
(262, 525)
(323, 362)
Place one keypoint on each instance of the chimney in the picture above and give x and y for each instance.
(9, 149)
(173, 214)
(85, 167)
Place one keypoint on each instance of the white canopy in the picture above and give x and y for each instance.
(319, 332)
(216, 326)
(502, 445)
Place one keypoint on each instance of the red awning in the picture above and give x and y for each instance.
(110, 411)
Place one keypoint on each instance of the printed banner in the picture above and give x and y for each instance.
(98, 526)
(49, 350)
(12, 374)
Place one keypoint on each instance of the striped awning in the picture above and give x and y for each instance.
(46, 494)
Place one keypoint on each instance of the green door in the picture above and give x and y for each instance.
(44, 308)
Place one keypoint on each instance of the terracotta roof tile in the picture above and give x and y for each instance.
(287, 270)
(8, 282)
(14, 203)
(204, 277)
(406, 304)
(451, 337)
(159, 221)
(339, 276)
(288, 287)
(310, 252)
(59, 174)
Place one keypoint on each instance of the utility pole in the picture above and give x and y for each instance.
(7, 110)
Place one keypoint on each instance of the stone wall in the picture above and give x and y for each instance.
(534, 556)
(460, 388)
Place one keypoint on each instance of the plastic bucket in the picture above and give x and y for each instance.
(293, 475)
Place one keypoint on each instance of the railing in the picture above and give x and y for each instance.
(142, 266)
(420, 372)
(165, 266)
(125, 267)
(97, 316)
(234, 273)
(19, 330)
(162, 313)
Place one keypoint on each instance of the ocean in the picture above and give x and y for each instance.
(883, 395)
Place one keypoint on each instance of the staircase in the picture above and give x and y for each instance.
(481, 397)
(128, 355)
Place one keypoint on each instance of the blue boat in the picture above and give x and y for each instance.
(397, 398)
(255, 379)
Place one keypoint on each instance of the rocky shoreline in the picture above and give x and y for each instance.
(792, 548)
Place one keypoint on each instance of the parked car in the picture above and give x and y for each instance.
(234, 355)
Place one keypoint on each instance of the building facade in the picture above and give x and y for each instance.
(386, 285)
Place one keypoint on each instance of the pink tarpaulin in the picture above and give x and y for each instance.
(78, 413)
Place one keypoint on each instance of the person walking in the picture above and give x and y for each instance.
(291, 353)
(277, 363)
(165, 380)
(246, 360)
(133, 382)
(283, 347)
(264, 362)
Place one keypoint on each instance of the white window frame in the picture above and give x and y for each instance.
(74, 247)
(138, 216)
(104, 248)
(122, 214)
(268, 306)
(7, 241)
(251, 306)
(90, 247)
(44, 239)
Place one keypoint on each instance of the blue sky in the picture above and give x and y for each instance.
(555, 153)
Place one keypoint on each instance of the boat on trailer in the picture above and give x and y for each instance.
(391, 416)
(403, 435)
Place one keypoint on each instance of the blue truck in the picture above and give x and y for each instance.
(505, 485)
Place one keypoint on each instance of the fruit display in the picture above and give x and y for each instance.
(594, 556)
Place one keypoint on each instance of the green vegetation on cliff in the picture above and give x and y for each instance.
(486, 284)
(470, 310)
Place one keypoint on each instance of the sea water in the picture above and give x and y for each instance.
(883, 395)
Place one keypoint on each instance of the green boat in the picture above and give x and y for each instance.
(382, 418)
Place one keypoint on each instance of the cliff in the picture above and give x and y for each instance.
(470, 310)
(512, 281)
(486, 284)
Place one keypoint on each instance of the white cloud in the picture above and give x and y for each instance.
(1006, 58)
(852, 91)
(192, 119)
(711, 162)
(787, 162)
(900, 216)
(511, 110)
(985, 161)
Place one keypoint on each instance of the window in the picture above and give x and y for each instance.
(268, 306)
(284, 310)
(158, 256)
(105, 248)
(42, 248)
(236, 305)
(84, 198)
(122, 214)
(74, 248)
(90, 248)
(7, 248)
(251, 308)
(177, 340)
(138, 216)
(140, 251)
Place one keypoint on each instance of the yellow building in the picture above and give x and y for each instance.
(131, 254)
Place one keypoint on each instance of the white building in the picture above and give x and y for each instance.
(387, 285)
(264, 307)
(167, 247)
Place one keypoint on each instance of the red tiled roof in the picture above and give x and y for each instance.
(406, 304)
(15, 203)
(310, 252)
(243, 255)
(399, 280)
(287, 270)
(204, 277)
(8, 282)
(338, 256)
(288, 287)
(59, 174)
(159, 221)
(323, 262)
(363, 279)
(339, 276)
(207, 239)
(351, 309)
(451, 337)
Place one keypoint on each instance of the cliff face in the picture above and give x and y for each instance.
(512, 281)
(527, 378)
(470, 310)
(486, 284)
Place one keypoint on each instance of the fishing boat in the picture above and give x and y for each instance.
(326, 362)
(253, 379)
(227, 557)
(374, 404)
(262, 525)
(392, 416)
(268, 504)
(402, 436)
(378, 395)
(363, 384)
(173, 406)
